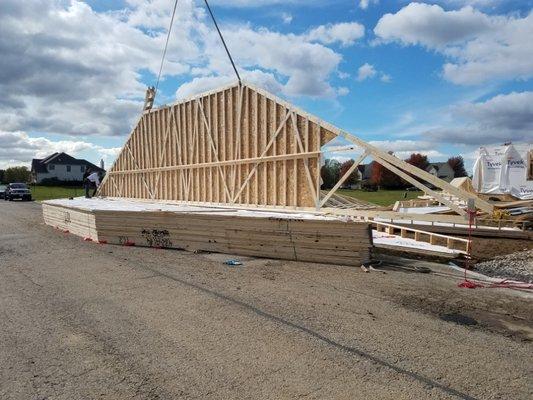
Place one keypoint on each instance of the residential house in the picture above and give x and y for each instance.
(441, 170)
(61, 167)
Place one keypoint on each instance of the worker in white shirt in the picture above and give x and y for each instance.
(91, 180)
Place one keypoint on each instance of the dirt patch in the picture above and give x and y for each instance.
(491, 312)
(488, 248)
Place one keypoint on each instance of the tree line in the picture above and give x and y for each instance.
(380, 176)
(15, 174)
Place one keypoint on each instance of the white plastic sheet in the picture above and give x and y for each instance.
(504, 170)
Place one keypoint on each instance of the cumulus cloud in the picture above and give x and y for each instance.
(345, 33)
(363, 4)
(286, 18)
(401, 148)
(366, 71)
(503, 118)
(404, 148)
(478, 47)
(66, 69)
(18, 148)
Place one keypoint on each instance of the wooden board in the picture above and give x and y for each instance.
(312, 240)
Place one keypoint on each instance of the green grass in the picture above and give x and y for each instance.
(54, 192)
(381, 197)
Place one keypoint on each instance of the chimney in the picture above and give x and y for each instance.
(102, 163)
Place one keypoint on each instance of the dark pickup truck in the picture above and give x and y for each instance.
(17, 191)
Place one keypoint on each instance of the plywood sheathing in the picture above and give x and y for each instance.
(233, 146)
(240, 145)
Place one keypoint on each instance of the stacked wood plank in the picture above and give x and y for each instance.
(76, 221)
(312, 240)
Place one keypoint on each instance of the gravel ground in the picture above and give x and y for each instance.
(517, 266)
(84, 321)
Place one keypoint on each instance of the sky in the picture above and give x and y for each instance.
(440, 78)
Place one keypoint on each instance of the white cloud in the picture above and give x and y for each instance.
(286, 18)
(366, 71)
(408, 146)
(304, 67)
(345, 33)
(502, 118)
(385, 78)
(263, 3)
(66, 69)
(18, 148)
(478, 47)
(343, 91)
(205, 83)
(363, 4)
(401, 148)
(343, 75)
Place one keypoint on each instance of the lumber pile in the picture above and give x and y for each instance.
(281, 237)
(76, 221)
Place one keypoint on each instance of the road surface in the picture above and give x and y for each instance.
(86, 321)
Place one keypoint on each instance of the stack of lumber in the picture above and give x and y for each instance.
(226, 231)
(76, 221)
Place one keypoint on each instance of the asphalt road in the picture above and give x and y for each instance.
(86, 321)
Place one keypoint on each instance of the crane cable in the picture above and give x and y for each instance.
(223, 41)
(166, 46)
(168, 38)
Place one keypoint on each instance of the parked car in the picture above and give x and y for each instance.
(2, 191)
(17, 191)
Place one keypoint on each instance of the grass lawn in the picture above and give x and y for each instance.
(381, 197)
(54, 192)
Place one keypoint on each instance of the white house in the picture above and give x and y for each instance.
(61, 167)
(441, 170)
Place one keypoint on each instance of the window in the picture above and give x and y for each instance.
(82, 168)
(51, 167)
(68, 168)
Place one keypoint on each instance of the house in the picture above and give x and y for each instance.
(365, 171)
(441, 170)
(60, 167)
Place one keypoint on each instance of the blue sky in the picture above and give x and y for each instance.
(441, 78)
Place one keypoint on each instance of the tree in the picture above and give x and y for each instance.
(418, 160)
(17, 174)
(385, 178)
(2, 175)
(458, 165)
(330, 173)
(354, 176)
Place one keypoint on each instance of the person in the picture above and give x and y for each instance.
(91, 180)
(86, 182)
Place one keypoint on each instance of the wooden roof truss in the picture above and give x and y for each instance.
(242, 146)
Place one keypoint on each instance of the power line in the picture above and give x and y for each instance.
(223, 41)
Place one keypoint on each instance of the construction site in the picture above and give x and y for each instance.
(213, 263)
(237, 170)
